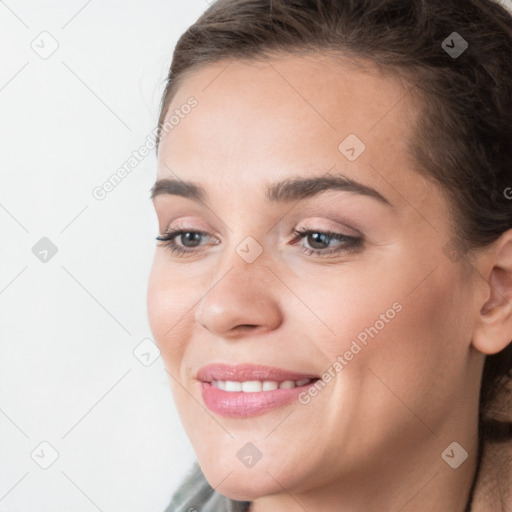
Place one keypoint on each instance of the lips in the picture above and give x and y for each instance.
(249, 372)
(249, 390)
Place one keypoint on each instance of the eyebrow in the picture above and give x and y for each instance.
(289, 190)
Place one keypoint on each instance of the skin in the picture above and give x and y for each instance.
(372, 439)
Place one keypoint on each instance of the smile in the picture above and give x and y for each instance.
(247, 390)
(257, 386)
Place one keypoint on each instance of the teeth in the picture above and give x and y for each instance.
(256, 386)
(270, 385)
(252, 386)
(231, 385)
(221, 384)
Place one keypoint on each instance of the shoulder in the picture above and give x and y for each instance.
(196, 495)
(494, 484)
(193, 492)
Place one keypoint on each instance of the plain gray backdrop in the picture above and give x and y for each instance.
(86, 423)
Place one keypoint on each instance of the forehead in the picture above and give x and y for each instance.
(286, 116)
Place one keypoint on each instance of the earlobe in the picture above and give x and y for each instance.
(493, 330)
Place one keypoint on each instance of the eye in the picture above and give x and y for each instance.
(320, 242)
(189, 238)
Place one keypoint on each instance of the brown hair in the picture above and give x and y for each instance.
(463, 139)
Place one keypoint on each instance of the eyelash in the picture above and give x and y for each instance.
(351, 243)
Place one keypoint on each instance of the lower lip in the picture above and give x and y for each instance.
(237, 404)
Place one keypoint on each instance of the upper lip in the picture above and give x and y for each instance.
(246, 372)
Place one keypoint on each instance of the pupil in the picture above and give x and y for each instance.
(190, 237)
(317, 239)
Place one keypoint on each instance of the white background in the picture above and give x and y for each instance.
(68, 327)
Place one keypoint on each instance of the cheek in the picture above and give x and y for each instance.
(402, 322)
(168, 314)
(417, 358)
(350, 305)
(421, 299)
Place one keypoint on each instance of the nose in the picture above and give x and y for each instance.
(241, 298)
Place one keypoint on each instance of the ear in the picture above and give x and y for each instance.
(493, 329)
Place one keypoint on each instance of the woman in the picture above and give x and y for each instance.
(331, 292)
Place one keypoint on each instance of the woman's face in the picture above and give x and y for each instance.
(381, 305)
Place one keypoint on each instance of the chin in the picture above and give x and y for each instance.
(248, 484)
(245, 485)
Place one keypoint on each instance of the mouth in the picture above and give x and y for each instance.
(249, 390)
(257, 386)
